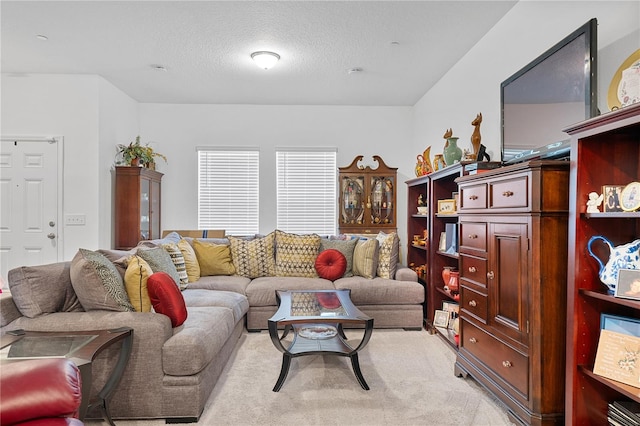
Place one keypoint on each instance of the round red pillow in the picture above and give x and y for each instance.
(166, 297)
(331, 264)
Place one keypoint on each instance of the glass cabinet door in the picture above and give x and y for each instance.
(352, 205)
(145, 210)
(381, 200)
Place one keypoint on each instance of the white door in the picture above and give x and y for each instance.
(29, 188)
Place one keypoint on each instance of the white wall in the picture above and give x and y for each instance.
(176, 131)
(526, 31)
(90, 114)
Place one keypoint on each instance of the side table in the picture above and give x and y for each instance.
(82, 347)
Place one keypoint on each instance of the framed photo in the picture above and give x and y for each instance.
(612, 198)
(624, 325)
(452, 307)
(443, 242)
(447, 206)
(617, 357)
(629, 197)
(456, 199)
(628, 284)
(441, 318)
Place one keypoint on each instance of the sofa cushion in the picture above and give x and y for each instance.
(178, 261)
(97, 283)
(166, 298)
(222, 282)
(253, 258)
(296, 254)
(388, 254)
(344, 246)
(160, 261)
(190, 260)
(365, 258)
(238, 303)
(43, 289)
(331, 264)
(381, 291)
(262, 291)
(196, 343)
(214, 259)
(135, 282)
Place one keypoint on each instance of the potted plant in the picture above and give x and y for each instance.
(136, 154)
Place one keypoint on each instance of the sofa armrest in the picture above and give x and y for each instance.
(404, 273)
(8, 310)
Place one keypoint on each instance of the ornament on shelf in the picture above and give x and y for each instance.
(594, 201)
(475, 136)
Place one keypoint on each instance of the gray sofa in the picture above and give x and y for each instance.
(172, 371)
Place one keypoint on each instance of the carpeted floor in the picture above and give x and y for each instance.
(410, 374)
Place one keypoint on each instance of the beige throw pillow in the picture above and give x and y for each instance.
(190, 260)
(253, 258)
(178, 260)
(388, 254)
(365, 258)
(296, 254)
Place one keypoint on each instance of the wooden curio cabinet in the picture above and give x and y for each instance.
(137, 212)
(367, 198)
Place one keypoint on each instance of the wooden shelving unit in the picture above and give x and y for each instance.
(605, 150)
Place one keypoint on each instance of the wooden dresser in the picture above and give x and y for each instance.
(513, 272)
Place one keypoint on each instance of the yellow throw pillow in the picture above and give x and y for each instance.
(254, 258)
(214, 259)
(190, 260)
(135, 282)
(296, 254)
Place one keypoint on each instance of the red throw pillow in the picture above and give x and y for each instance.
(166, 297)
(331, 264)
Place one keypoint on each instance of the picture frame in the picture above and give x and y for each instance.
(441, 318)
(447, 206)
(442, 246)
(456, 200)
(629, 197)
(623, 325)
(628, 286)
(612, 198)
(617, 357)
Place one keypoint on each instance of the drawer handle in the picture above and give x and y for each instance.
(490, 275)
(473, 303)
(472, 269)
(473, 197)
(472, 236)
(473, 340)
(507, 194)
(507, 364)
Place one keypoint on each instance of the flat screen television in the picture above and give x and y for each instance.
(555, 90)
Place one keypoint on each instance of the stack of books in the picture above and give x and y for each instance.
(624, 413)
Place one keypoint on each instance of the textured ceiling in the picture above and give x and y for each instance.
(206, 46)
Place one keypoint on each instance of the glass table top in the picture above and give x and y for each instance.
(61, 346)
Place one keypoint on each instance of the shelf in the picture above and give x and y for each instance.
(610, 298)
(447, 215)
(455, 297)
(628, 391)
(420, 216)
(453, 256)
(447, 334)
(419, 247)
(612, 215)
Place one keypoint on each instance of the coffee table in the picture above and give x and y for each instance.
(316, 318)
(81, 347)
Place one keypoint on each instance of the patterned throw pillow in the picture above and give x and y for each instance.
(345, 247)
(135, 281)
(178, 260)
(365, 258)
(296, 254)
(98, 283)
(190, 260)
(160, 261)
(214, 259)
(254, 258)
(388, 255)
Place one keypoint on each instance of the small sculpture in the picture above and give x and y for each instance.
(475, 136)
(426, 158)
(595, 200)
(448, 134)
(438, 162)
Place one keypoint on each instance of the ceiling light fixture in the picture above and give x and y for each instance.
(42, 37)
(265, 60)
(354, 70)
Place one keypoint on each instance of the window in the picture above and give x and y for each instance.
(228, 190)
(306, 198)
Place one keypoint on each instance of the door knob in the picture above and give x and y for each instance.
(51, 236)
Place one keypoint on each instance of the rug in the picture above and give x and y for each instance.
(410, 374)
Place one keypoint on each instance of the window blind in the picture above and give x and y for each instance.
(306, 191)
(228, 190)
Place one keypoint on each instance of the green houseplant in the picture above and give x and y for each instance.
(136, 154)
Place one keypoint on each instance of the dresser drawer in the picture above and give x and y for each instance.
(473, 235)
(473, 303)
(473, 269)
(473, 197)
(509, 364)
(509, 193)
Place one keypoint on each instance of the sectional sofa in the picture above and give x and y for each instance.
(172, 370)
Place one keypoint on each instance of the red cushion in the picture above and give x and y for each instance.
(331, 264)
(40, 388)
(166, 297)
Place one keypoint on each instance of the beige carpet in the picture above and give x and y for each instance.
(410, 374)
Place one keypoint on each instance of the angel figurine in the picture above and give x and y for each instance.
(595, 200)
